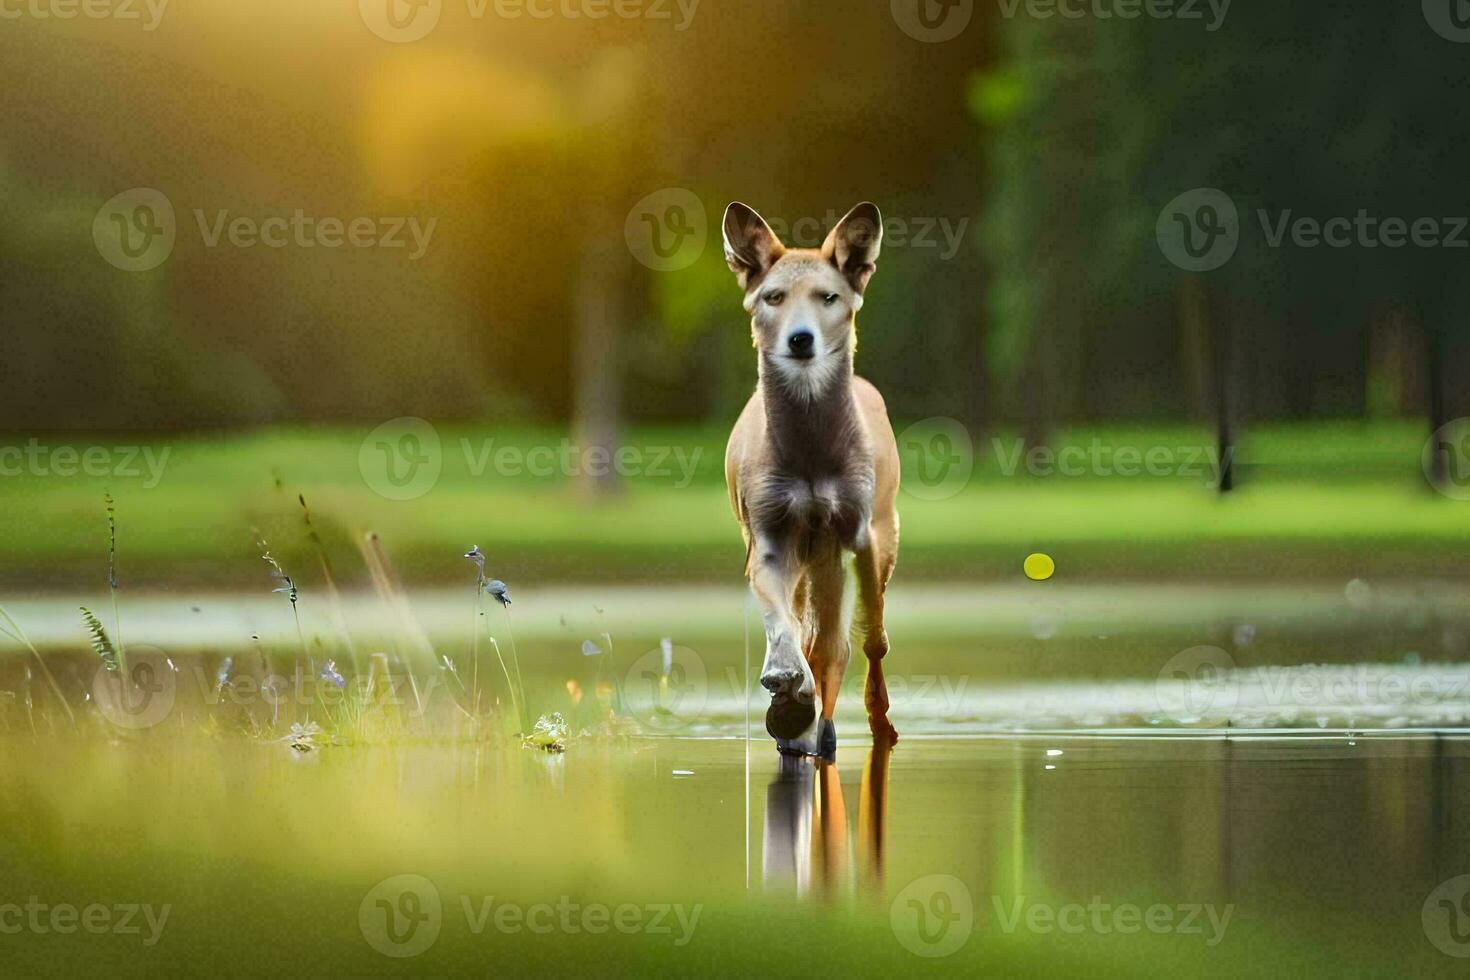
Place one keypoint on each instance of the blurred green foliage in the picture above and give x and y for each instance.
(1091, 127)
(1047, 146)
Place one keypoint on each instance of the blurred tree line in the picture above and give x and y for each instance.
(1045, 147)
(1292, 110)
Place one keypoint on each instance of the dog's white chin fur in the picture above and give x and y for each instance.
(808, 378)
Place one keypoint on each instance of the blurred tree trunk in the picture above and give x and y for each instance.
(1195, 354)
(1434, 352)
(1396, 379)
(601, 310)
(1222, 334)
(1038, 400)
(1210, 336)
(611, 168)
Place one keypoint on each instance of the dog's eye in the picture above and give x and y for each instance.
(829, 298)
(774, 298)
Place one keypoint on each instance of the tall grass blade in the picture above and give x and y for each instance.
(12, 629)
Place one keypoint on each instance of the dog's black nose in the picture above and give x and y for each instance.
(802, 342)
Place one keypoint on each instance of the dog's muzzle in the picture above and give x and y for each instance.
(802, 344)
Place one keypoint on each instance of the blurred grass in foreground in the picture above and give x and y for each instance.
(1313, 500)
(268, 859)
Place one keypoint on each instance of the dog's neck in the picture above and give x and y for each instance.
(811, 426)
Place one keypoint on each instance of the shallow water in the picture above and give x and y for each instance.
(966, 658)
(1011, 855)
(1104, 780)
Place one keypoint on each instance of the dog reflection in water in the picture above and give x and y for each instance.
(806, 834)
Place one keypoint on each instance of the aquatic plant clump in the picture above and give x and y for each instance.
(548, 734)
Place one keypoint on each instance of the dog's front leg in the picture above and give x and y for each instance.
(785, 672)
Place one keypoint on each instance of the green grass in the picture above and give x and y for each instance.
(1318, 500)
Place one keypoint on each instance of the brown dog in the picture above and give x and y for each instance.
(812, 469)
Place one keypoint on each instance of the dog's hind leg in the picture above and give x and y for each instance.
(874, 566)
(830, 649)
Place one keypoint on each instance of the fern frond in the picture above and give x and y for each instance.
(101, 645)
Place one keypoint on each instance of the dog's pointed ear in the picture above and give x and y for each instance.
(853, 243)
(751, 248)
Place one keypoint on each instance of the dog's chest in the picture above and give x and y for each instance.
(796, 502)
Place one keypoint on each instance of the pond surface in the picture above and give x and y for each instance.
(1010, 855)
(966, 657)
(1122, 780)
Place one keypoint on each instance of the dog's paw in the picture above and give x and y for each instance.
(789, 716)
(821, 743)
(793, 748)
(810, 741)
(827, 740)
